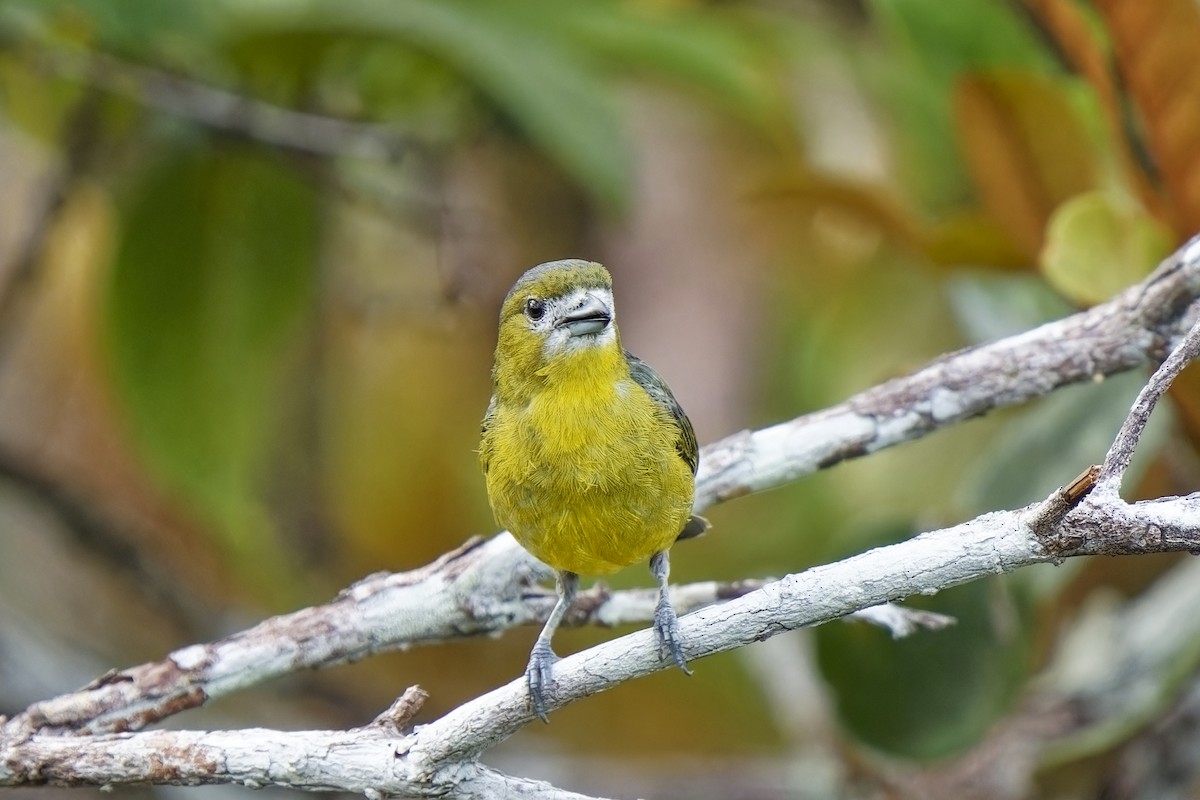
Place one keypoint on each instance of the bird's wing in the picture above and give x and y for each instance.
(485, 441)
(660, 393)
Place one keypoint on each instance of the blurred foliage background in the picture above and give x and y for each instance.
(251, 256)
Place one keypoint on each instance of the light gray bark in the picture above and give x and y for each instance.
(478, 588)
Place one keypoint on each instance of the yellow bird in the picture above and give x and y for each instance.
(589, 460)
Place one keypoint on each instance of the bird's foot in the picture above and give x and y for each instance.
(537, 675)
(666, 628)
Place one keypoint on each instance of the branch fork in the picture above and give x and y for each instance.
(93, 736)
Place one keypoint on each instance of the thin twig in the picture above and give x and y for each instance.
(1138, 326)
(1121, 452)
(1045, 520)
(397, 716)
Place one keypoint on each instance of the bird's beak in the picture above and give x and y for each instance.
(590, 316)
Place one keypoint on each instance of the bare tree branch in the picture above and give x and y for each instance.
(1119, 455)
(421, 762)
(364, 760)
(466, 595)
(1112, 674)
(1138, 326)
(342, 630)
(487, 586)
(460, 594)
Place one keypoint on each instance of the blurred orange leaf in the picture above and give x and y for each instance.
(1155, 49)
(1026, 150)
(1082, 43)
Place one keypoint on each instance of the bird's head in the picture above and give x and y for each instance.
(556, 314)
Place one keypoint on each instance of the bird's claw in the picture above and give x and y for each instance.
(537, 676)
(666, 628)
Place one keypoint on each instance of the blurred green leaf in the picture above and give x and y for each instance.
(946, 39)
(1096, 246)
(928, 45)
(549, 69)
(180, 32)
(214, 274)
(935, 692)
(918, 114)
(730, 59)
(38, 106)
(552, 93)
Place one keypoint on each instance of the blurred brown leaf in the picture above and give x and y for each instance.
(1081, 44)
(1185, 392)
(1025, 150)
(971, 237)
(1154, 46)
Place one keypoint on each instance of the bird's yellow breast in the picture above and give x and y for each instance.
(585, 472)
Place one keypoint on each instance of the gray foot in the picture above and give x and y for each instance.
(537, 675)
(666, 627)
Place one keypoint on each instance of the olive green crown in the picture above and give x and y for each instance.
(556, 278)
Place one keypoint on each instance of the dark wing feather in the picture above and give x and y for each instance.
(660, 393)
(485, 443)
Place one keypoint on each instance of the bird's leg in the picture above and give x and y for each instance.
(666, 624)
(537, 674)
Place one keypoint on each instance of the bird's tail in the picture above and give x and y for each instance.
(695, 526)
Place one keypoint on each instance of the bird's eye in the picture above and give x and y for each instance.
(535, 309)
